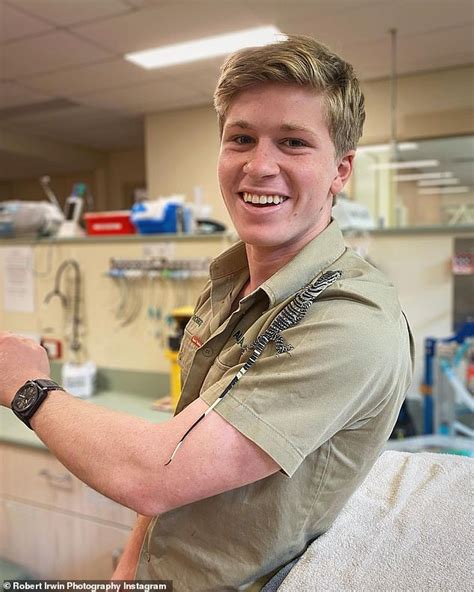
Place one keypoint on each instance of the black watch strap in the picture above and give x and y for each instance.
(43, 387)
(49, 385)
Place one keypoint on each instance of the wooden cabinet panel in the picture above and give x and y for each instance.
(52, 544)
(3, 527)
(51, 523)
(35, 475)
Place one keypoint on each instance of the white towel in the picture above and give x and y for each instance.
(408, 528)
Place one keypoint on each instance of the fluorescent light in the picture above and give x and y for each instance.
(443, 190)
(437, 182)
(207, 47)
(408, 164)
(418, 176)
(386, 147)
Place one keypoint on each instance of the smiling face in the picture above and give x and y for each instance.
(277, 166)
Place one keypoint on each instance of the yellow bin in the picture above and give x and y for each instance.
(175, 378)
(181, 317)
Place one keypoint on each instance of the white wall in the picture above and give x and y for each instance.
(419, 265)
(181, 153)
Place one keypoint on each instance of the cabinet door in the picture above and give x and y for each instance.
(36, 476)
(57, 545)
(3, 527)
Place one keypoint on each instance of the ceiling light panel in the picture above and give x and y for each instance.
(386, 147)
(418, 176)
(437, 182)
(409, 164)
(201, 49)
(443, 190)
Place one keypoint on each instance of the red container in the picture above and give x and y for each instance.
(109, 223)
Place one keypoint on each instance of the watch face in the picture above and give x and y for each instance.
(26, 397)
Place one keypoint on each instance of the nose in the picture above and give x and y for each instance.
(262, 162)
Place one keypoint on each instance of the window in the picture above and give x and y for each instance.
(429, 183)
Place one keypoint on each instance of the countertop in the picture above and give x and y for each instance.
(13, 431)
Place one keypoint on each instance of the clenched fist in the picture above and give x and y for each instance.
(21, 359)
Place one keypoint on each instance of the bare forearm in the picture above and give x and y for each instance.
(129, 560)
(113, 453)
(109, 451)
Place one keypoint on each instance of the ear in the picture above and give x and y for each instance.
(344, 171)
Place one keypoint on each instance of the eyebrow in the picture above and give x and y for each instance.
(239, 123)
(294, 127)
(286, 127)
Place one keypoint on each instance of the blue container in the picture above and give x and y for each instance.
(167, 224)
(174, 220)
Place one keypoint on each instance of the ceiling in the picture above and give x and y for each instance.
(63, 76)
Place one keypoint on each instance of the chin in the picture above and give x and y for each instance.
(262, 239)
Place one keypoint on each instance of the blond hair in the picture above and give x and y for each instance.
(299, 60)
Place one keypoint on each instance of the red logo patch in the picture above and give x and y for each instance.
(196, 341)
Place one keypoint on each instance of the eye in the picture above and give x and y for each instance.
(294, 143)
(242, 139)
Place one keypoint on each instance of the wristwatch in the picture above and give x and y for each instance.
(29, 397)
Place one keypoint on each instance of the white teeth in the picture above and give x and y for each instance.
(263, 199)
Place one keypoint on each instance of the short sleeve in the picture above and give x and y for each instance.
(348, 360)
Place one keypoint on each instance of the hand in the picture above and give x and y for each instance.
(130, 556)
(21, 359)
(126, 567)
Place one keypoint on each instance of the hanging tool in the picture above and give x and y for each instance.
(75, 344)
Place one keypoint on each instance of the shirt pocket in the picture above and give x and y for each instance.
(233, 354)
(186, 353)
(239, 346)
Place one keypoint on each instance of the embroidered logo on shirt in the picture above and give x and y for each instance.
(195, 340)
(197, 320)
(239, 338)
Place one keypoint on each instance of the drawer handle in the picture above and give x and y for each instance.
(60, 479)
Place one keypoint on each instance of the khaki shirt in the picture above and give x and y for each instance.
(322, 412)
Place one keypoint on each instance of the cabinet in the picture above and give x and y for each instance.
(52, 523)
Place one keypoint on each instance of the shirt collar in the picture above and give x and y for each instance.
(232, 261)
(313, 258)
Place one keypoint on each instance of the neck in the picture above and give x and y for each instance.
(264, 262)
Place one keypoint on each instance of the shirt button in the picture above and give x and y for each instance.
(147, 557)
(207, 351)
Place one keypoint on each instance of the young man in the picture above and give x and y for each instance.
(315, 390)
